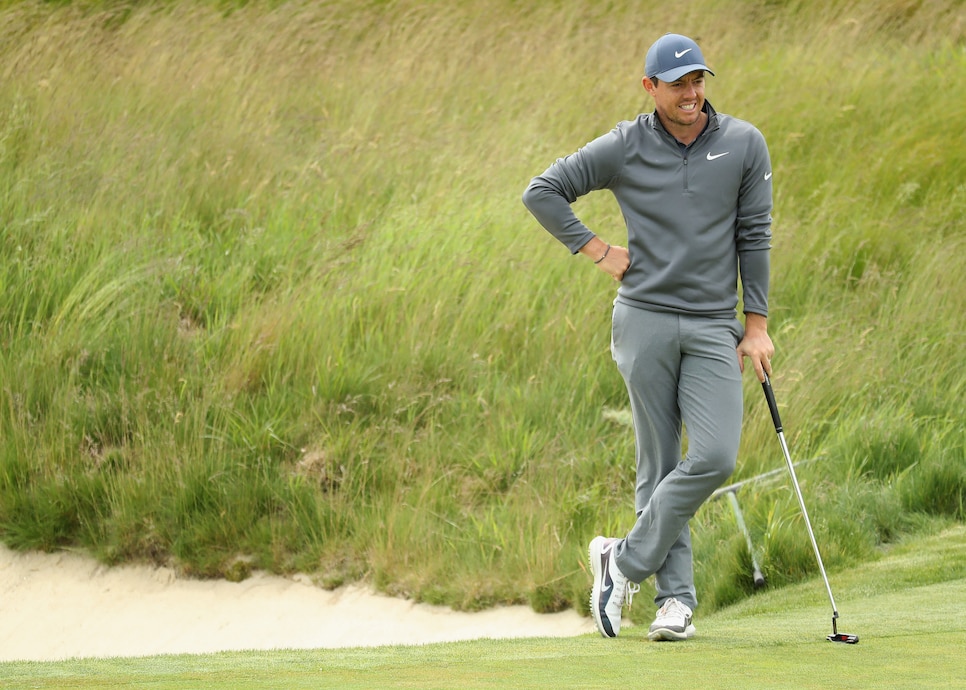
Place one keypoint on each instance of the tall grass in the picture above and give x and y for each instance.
(270, 298)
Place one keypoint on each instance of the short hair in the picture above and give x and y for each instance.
(656, 81)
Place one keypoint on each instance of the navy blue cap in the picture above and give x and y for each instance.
(672, 56)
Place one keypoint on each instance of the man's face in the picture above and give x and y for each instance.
(679, 102)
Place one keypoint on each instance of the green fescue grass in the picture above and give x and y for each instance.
(270, 298)
(908, 609)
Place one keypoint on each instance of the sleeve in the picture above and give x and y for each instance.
(753, 231)
(549, 196)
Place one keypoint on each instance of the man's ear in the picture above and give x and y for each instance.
(648, 85)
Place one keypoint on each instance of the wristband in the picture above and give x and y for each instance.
(606, 252)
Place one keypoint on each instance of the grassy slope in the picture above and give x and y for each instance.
(270, 298)
(908, 608)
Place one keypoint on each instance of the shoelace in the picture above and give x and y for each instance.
(629, 592)
(672, 607)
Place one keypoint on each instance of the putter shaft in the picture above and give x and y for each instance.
(836, 636)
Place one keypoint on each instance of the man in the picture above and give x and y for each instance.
(694, 187)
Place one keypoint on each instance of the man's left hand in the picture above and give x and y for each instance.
(756, 345)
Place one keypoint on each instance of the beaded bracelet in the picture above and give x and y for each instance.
(606, 252)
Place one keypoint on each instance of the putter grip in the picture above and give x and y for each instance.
(772, 405)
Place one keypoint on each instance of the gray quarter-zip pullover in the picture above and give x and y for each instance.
(696, 216)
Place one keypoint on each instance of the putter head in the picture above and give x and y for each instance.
(843, 637)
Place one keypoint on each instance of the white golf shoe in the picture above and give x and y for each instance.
(673, 622)
(611, 587)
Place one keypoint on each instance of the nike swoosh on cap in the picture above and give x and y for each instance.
(682, 53)
(717, 155)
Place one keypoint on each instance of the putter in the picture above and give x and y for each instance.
(836, 636)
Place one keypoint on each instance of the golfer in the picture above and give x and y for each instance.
(695, 190)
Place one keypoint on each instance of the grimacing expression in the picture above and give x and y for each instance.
(679, 102)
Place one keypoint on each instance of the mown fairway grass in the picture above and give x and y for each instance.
(269, 298)
(909, 609)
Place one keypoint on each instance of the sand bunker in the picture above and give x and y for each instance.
(63, 605)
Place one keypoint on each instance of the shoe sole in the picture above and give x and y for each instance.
(595, 568)
(668, 635)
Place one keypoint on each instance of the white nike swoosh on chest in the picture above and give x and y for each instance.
(717, 155)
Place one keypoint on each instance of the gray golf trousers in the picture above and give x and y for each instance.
(679, 370)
